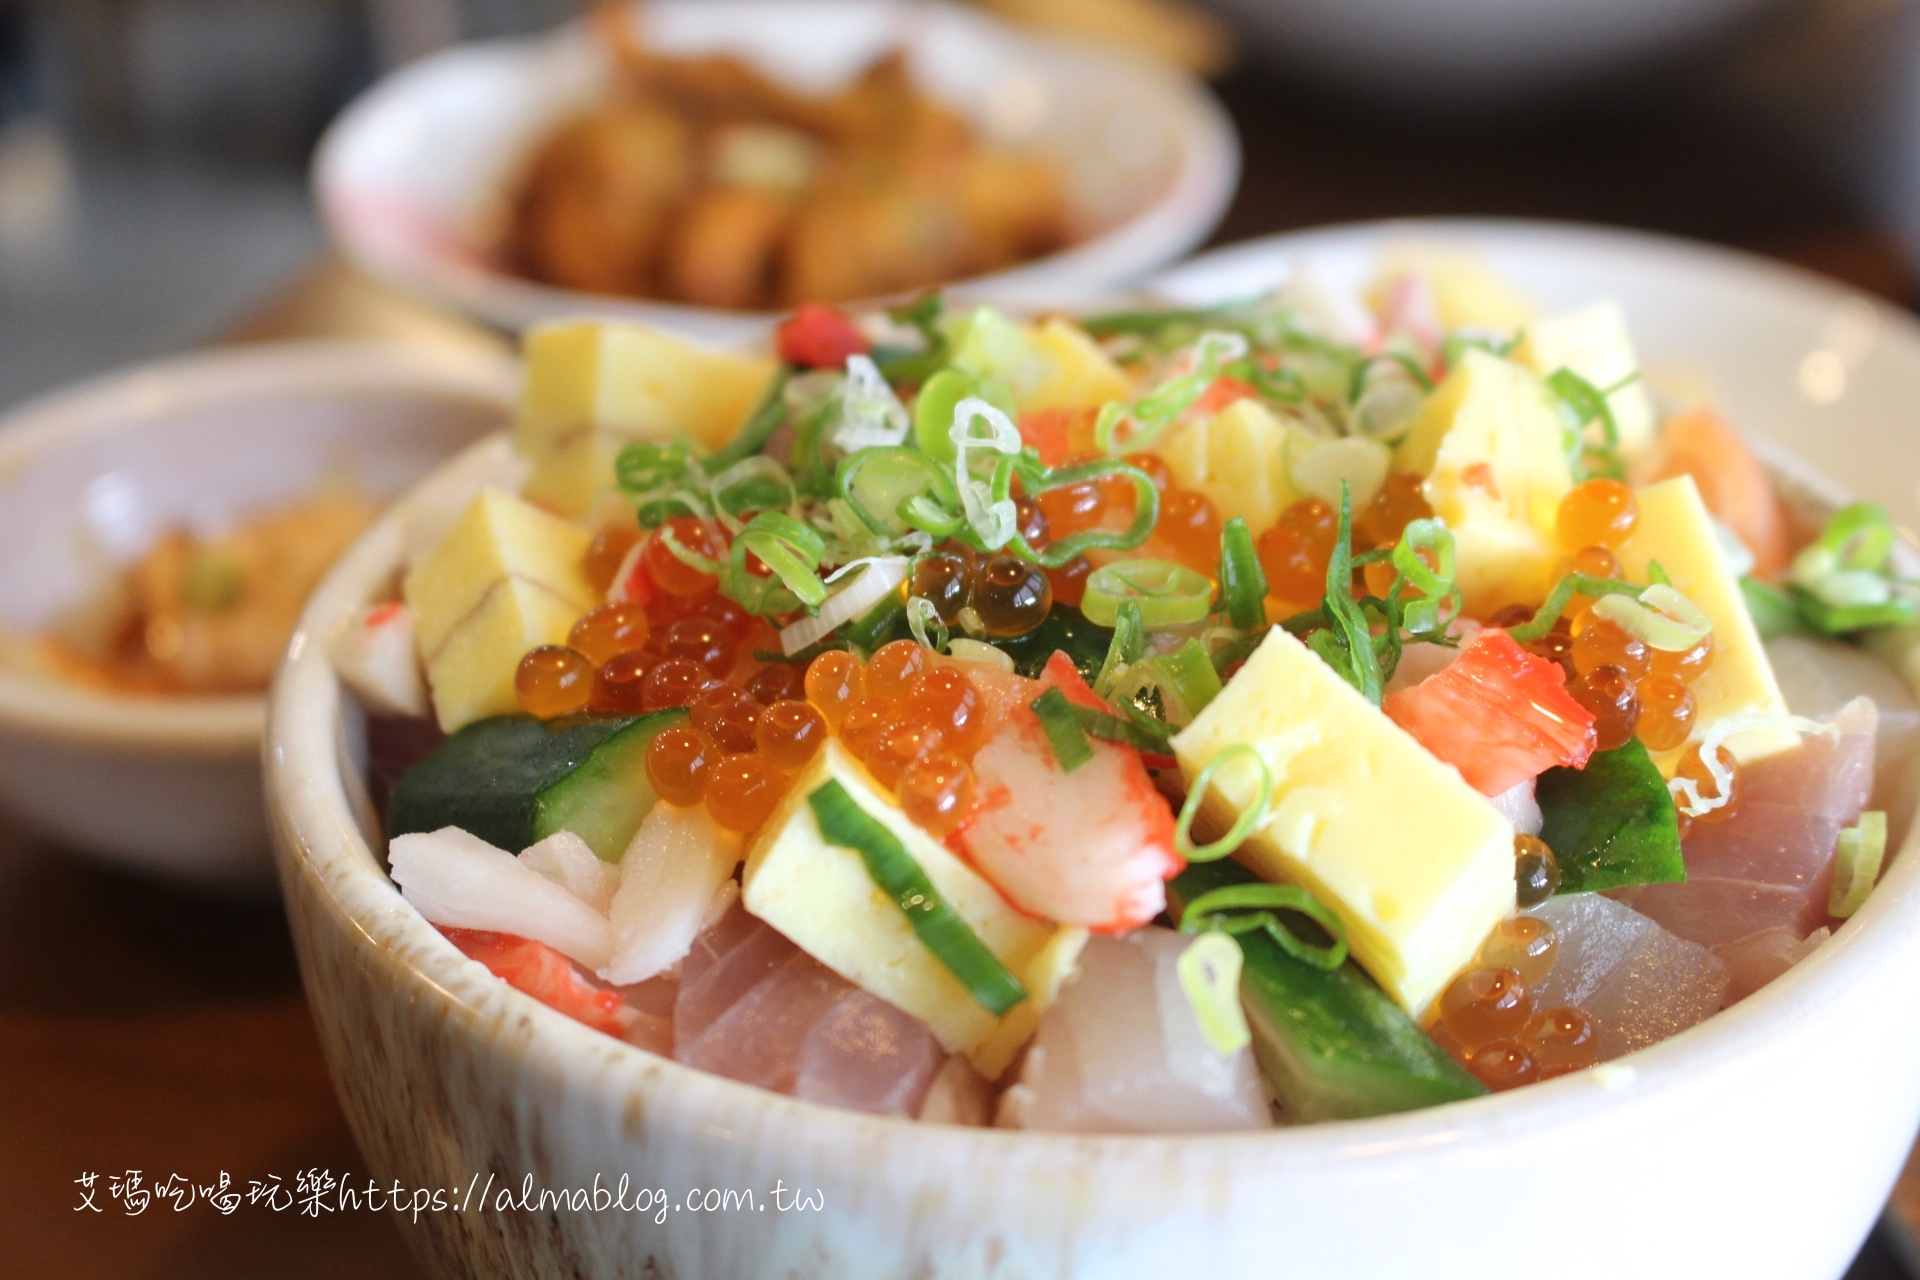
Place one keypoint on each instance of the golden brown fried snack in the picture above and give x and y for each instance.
(724, 250)
(599, 197)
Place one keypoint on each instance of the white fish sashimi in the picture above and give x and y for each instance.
(670, 874)
(459, 880)
(959, 1095)
(1121, 1052)
(868, 1056)
(565, 859)
(1819, 677)
(1639, 983)
(1520, 807)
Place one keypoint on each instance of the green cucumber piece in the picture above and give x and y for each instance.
(515, 780)
(1331, 1044)
(1611, 824)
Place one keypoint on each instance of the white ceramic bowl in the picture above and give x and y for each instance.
(413, 178)
(1468, 55)
(89, 476)
(1759, 1144)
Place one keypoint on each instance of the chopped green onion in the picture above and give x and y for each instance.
(1146, 510)
(1154, 412)
(1069, 741)
(787, 547)
(752, 484)
(1856, 863)
(896, 488)
(1128, 644)
(939, 396)
(687, 555)
(928, 627)
(1346, 644)
(1243, 908)
(1774, 612)
(760, 425)
(980, 651)
(1189, 669)
(1842, 620)
(1588, 404)
(1243, 826)
(1138, 730)
(1209, 972)
(1662, 617)
(1168, 594)
(1563, 591)
(1656, 575)
(952, 941)
(1243, 583)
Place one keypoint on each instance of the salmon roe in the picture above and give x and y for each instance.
(1155, 467)
(1605, 644)
(674, 575)
(674, 682)
(553, 680)
(898, 745)
(1523, 944)
(1069, 581)
(1556, 646)
(1608, 693)
(936, 791)
(790, 732)
(678, 761)
(1666, 712)
(742, 789)
(729, 715)
(703, 640)
(863, 723)
(1687, 664)
(778, 682)
(946, 700)
(607, 552)
(1009, 596)
(1296, 568)
(1536, 872)
(944, 579)
(834, 682)
(610, 630)
(1503, 1064)
(619, 686)
(1398, 504)
(1562, 1040)
(1597, 512)
(1485, 1004)
(1190, 524)
(893, 667)
(1693, 767)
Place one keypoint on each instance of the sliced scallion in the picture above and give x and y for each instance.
(1856, 863)
(1243, 584)
(1168, 594)
(953, 942)
(1209, 972)
(1069, 741)
(1243, 908)
(1243, 826)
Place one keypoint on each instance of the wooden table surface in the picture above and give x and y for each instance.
(143, 1027)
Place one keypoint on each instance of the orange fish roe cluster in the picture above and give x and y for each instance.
(915, 725)
(1295, 551)
(1486, 1017)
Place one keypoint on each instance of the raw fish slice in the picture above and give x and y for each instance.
(652, 1005)
(866, 1055)
(958, 1095)
(1664, 986)
(758, 1039)
(1121, 1052)
(1831, 773)
(455, 878)
(1714, 912)
(1818, 677)
(1759, 958)
(726, 962)
(1637, 981)
(1765, 842)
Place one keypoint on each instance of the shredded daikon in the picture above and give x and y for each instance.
(870, 413)
(993, 523)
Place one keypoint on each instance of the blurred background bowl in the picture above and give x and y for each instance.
(413, 179)
(89, 477)
(1466, 55)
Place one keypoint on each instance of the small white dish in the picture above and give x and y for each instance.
(1759, 1144)
(89, 476)
(413, 177)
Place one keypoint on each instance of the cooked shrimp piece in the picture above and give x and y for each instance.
(1733, 484)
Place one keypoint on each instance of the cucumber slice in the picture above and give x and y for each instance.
(1332, 1045)
(514, 780)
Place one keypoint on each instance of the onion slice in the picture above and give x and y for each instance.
(876, 578)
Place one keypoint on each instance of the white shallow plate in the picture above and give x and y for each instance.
(412, 179)
(1827, 372)
(1759, 1145)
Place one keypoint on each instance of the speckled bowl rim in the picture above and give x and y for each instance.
(226, 726)
(320, 844)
